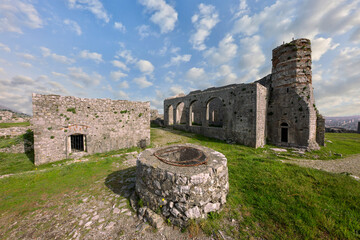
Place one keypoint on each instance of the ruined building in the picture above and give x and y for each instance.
(278, 109)
(68, 127)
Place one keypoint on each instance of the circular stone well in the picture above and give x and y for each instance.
(182, 181)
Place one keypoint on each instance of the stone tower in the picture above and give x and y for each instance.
(358, 127)
(292, 114)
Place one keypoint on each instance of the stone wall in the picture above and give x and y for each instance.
(102, 125)
(279, 107)
(13, 131)
(358, 130)
(238, 113)
(320, 130)
(181, 193)
(291, 100)
(5, 116)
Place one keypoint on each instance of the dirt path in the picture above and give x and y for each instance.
(349, 165)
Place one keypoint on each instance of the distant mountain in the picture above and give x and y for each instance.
(347, 122)
(18, 114)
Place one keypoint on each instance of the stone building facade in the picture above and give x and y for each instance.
(68, 127)
(278, 109)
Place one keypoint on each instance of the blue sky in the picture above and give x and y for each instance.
(148, 50)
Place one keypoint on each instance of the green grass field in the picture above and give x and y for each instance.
(19, 124)
(267, 199)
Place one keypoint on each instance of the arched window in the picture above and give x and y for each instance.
(215, 112)
(170, 113)
(284, 132)
(195, 113)
(180, 114)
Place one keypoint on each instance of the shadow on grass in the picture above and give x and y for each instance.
(122, 182)
(29, 145)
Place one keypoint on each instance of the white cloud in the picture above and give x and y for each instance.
(164, 15)
(74, 26)
(197, 78)
(339, 84)
(321, 46)
(204, 22)
(252, 58)
(94, 6)
(144, 31)
(145, 66)
(57, 88)
(226, 76)
(26, 56)
(25, 64)
(178, 59)
(22, 80)
(121, 94)
(14, 14)
(127, 55)
(77, 74)
(46, 52)
(86, 54)
(58, 74)
(175, 90)
(226, 51)
(124, 84)
(4, 47)
(116, 76)
(142, 82)
(170, 77)
(242, 9)
(119, 26)
(120, 64)
(355, 36)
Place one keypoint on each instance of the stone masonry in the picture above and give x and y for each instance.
(278, 109)
(182, 193)
(68, 127)
(5, 116)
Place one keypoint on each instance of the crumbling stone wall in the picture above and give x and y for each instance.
(104, 125)
(291, 96)
(5, 116)
(239, 110)
(320, 130)
(279, 107)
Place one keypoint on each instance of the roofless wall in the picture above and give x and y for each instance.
(67, 127)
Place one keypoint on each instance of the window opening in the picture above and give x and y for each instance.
(77, 143)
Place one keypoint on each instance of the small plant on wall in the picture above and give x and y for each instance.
(71, 110)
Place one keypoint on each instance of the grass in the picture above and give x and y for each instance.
(19, 124)
(337, 146)
(267, 199)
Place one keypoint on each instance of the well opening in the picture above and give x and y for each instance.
(181, 156)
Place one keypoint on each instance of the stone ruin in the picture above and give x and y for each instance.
(358, 130)
(5, 116)
(70, 127)
(181, 182)
(278, 109)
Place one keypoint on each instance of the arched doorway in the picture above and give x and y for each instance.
(180, 113)
(215, 112)
(195, 113)
(284, 132)
(170, 113)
